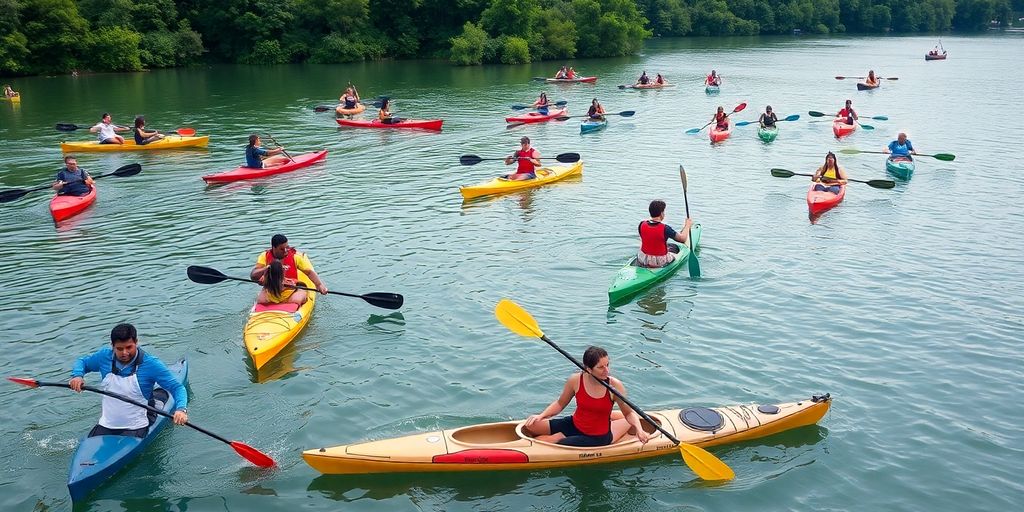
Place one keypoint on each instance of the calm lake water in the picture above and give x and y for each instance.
(905, 304)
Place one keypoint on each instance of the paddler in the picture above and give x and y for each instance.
(127, 371)
(643, 80)
(871, 80)
(847, 114)
(830, 176)
(258, 157)
(384, 114)
(593, 423)
(528, 160)
(654, 251)
(596, 111)
(107, 129)
(72, 180)
(542, 103)
(349, 98)
(560, 75)
(142, 135)
(9, 93)
(721, 119)
(571, 74)
(291, 261)
(713, 79)
(901, 147)
(660, 80)
(768, 118)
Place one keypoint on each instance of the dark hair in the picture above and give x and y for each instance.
(384, 103)
(69, 157)
(140, 121)
(834, 159)
(105, 114)
(277, 240)
(594, 102)
(252, 139)
(657, 207)
(123, 332)
(524, 140)
(273, 280)
(593, 356)
(849, 102)
(767, 108)
(544, 95)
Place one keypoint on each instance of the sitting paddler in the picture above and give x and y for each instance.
(142, 135)
(721, 119)
(107, 130)
(901, 147)
(350, 98)
(278, 283)
(847, 114)
(871, 79)
(571, 74)
(384, 114)
(72, 180)
(127, 371)
(714, 79)
(644, 79)
(9, 93)
(768, 118)
(259, 157)
(593, 423)
(561, 74)
(542, 104)
(660, 80)
(596, 111)
(654, 251)
(829, 177)
(528, 160)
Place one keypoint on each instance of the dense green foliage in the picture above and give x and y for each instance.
(44, 36)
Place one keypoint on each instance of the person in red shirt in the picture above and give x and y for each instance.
(721, 119)
(654, 251)
(847, 114)
(713, 79)
(593, 423)
(528, 160)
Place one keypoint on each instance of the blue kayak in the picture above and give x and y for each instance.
(592, 125)
(97, 458)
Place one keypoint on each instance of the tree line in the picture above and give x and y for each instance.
(58, 36)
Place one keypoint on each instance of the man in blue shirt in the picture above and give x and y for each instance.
(901, 147)
(127, 371)
(72, 180)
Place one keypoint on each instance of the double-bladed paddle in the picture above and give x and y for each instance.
(121, 172)
(738, 108)
(945, 157)
(69, 127)
(793, 117)
(207, 275)
(522, 107)
(865, 78)
(692, 258)
(624, 113)
(272, 139)
(704, 464)
(565, 158)
(374, 103)
(784, 173)
(247, 452)
(815, 113)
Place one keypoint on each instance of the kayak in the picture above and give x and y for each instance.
(342, 111)
(900, 166)
(841, 129)
(65, 207)
(545, 175)
(590, 125)
(818, 201)
(577, 80)
(506, 446)
(537, 117)
(272, 327)
(168, 142)
(711, 89)
(98, 458)
(248, 173)
(929, 56)
(865, 87)
(13, 99)
(767, 134)
(422, 124)
(720, 135)
(632, 279)
(649, 86)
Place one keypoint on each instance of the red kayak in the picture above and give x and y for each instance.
(720, 135)
(422, 124)
(65, 207)
(577, 80)
(819, 201)
(248, 173)
(841, 129)
(537, 117)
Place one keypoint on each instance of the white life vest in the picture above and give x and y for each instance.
(118, 414)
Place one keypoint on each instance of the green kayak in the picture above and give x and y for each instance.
(902, 167)
(768, 134)
(632, 279)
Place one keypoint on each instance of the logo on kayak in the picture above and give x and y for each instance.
(590, 455)
(433, 439)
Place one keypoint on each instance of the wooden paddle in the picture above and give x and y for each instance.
(206, 275)
(565, 158)
(692, 258)
(945, 157)
(557, 104)
(272, 139)
(624, 113)
(705, 465)
(247, 452)
(815, 113)
(865, 78)
(738, 108)
(793, 117)
(121, 172)
(783, 173)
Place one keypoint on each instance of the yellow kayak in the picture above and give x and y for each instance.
(169, 142)
(505, 446)
(271, 328)
(545, 175)
(14, 99)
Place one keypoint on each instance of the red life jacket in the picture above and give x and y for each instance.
(593, 415)
(288, 262)
(652, 238)
(525, 165)
(845, 113)
(711, 80)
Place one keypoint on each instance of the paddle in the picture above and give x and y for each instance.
(705, 465)
(272, 139)
(738, 108)
(70, 127)
(247, 452)
(374, 103)
(624, 113)
(783, 173)
(206, 275)
(865, 78)
(692, 259)
(557, 104)
(945, 157)
(815, 113)
(565, 158)
(793, 117)
(121, 172)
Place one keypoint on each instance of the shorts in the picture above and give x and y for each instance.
(573, 437)
(648, 261)
(822, 188)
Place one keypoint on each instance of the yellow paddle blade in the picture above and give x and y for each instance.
(516, 318)
(705, 465)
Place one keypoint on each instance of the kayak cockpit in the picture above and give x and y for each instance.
(512, 434)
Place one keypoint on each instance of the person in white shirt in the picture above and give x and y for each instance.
(107, 131)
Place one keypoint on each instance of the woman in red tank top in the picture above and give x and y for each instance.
(592, 423)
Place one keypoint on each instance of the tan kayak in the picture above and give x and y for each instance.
(504, 445)
(271, 328)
